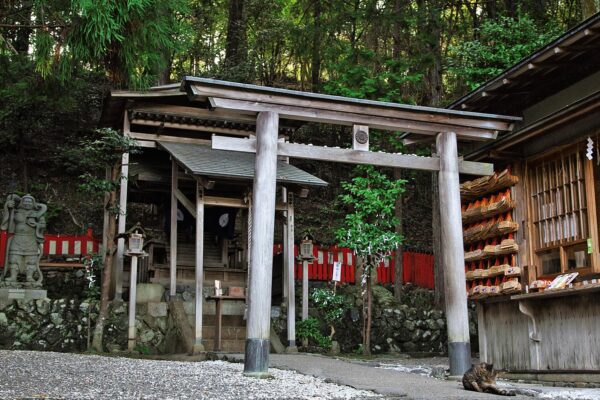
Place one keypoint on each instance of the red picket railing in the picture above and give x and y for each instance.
(59, 245)
(418, 267)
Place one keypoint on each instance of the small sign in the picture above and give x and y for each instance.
(590, 248)
(337, 271)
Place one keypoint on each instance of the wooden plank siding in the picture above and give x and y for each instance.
(569, 329)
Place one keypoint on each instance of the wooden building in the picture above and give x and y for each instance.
(210, 143)
(548, 224)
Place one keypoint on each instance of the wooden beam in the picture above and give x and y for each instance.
(189, 206)
(344, 107)
(191, 127)
(334, 154)
(346, 118)
(166, 138)
(195, 112)
(234, 203)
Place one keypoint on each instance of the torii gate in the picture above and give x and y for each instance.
(269, 105)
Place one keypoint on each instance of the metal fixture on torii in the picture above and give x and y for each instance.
(269, 110)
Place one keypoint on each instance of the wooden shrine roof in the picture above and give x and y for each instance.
(202, 160)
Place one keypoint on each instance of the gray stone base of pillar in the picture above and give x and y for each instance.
(459, 354)
(256, 360)
(198, 349)
(291, 349)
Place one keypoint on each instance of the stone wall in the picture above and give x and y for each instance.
(64, 325)
(411, 325)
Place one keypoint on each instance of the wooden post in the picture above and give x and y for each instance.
(121, 226)
(284, 287)
(291, 297)
(256, 361)
(173, 243)
(304, 290)
(198, 347)
(459, 348)
(132, 296)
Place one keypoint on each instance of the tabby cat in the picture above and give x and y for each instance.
(482, 378)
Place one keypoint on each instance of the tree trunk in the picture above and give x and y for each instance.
(107, 268)
(367, 317)
(435, 70)
(438, 270)
(316, 47)
(235, 51)
(399, 259)
(588, 8)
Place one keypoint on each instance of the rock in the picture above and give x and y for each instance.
(335, 348)
(157, 309)
(56, 319)
(355, 315)
(436, 314)
(275, 312)
(119, 308)
(161, 323)
(84, 307)
(189, 307)
(409, 346)
(438, 372)
(79, 273)
(431, 324)
(113, 348)
(147, 336)
(426, 335)
(149, 293)
(409, 325)
(441, 323)
(3, 320)
(43, 306)
(188, 296)
(399, 313)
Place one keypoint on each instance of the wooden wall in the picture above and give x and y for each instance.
(569, 329)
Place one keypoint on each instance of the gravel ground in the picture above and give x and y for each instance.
(30, 374)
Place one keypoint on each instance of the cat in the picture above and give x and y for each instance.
(482, 378)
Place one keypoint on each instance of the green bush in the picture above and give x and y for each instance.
(310, 329)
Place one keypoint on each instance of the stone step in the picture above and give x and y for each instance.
(228, 346)
(226, 320)
(227, 332)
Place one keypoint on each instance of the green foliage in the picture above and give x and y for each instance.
(500, 44)
(369, 229)
(96, 153)
(310, 329)
(332, 306)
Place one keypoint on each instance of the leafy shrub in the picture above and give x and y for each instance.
(310, 329)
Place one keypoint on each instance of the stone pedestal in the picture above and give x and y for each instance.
(7, 294)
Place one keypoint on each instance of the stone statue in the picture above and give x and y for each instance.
(24, 218)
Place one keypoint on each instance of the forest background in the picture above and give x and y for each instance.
(60, 58)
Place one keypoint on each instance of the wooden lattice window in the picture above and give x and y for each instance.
(559, 212)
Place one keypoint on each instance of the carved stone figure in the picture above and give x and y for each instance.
(24, 219)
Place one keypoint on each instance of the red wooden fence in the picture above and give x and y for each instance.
(418, 267)
(59, 245)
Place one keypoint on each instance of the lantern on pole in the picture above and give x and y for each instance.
(306, 255)
(135, 236)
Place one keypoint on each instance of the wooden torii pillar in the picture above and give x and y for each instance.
(457, 318)
(256, 361)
